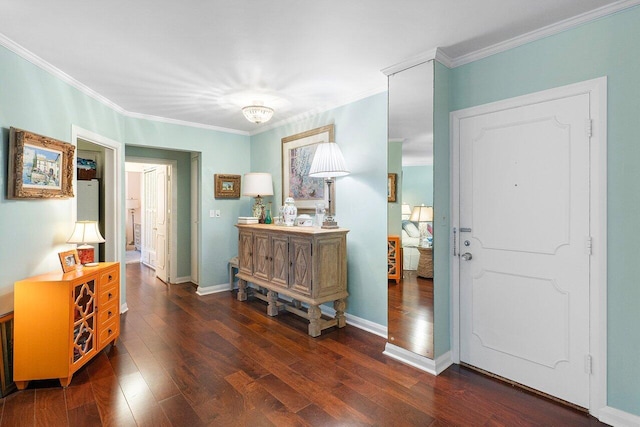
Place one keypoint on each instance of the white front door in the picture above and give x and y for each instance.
(524, 220)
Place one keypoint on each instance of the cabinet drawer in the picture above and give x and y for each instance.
(107, 312)
(108, 332)
(108, 293)
(109, 277)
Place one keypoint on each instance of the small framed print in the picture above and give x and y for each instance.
(391, 187)
(69, 260)
(227, 186)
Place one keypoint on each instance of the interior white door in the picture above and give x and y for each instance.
(149, 222)
(162, 223)
(524, 220)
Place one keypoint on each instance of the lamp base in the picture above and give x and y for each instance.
(91, 264)
(330, 224)
(85, 254)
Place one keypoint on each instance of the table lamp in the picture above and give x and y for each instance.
(422, 215)
(257, 184)
(328, 163)
(84, 234)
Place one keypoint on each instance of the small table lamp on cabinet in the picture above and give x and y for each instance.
(257, 184)
(422, 215)
(84, 234)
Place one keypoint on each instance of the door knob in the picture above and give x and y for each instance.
(466, 256)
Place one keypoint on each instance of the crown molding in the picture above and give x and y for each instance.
(543, 32)
(438, 54)
(184, 123)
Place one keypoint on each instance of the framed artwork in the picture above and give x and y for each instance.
(69, 260)
(297, 155)
(39, 167)
(391, 187)
(226, 186)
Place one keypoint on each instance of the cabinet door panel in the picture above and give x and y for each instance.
(280, 263)
(301, 266)
(245, 256)
(261, 255)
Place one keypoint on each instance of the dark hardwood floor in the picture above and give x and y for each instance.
(185, 360)
(410, 313)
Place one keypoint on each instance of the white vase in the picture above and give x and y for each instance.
(290, 212)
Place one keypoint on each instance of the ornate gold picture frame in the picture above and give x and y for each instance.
(39, 167)
(392, 186)
(226, 186)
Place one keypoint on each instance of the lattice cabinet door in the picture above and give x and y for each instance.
(394, 258)
(84, 317)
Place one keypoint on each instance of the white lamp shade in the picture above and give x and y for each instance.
(406, 209)
(86, 232)
(256, 184)
(328, 161)
(422, 214)
(133, 203)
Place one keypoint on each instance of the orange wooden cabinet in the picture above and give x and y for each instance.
(62, 320)
(394, 258)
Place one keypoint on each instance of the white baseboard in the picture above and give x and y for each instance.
(434, 367)
(208, 290)
(358, 322)
(183, 279)
(124, 308)
(618, 418)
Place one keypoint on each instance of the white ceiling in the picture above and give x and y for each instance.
(200, 61)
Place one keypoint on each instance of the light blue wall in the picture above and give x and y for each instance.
(417, 185)
(34, 231)
(361, 198)
(607, 47)
(441, 204)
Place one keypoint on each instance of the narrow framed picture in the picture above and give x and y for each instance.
(69, 260)
(392, 187)
(39, 167)
(226, 186)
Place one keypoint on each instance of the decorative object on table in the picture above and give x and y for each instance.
(257, 113)
(39, 167)
(290, 212)
(132, 205)
(392, 187)
(328, 163)
(423, 215)
(257, 184)
(320, 211)
(247, 220)
(304, 220)
(297, 154)
(226, 186)
(406, 211)
(69, 260)
(267, 217)
(84, 234)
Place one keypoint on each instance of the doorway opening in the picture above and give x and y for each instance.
(151, 230)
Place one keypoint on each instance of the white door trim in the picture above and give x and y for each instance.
(173, 227)
(597, 89)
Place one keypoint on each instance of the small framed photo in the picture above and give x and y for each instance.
(227, 186)
(39, 167)
(391, 187)
(69, 260)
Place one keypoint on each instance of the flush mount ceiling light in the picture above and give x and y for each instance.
(257, 113)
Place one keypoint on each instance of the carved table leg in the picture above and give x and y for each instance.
(339, 305)
(242, 290)
(314, 320)
(272, 308)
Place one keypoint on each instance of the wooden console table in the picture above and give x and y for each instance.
(425, 263)
(306, 264)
